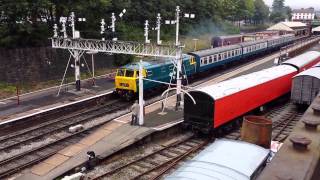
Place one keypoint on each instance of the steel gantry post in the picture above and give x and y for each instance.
(77, 69)
(178, 59)
(141, 101)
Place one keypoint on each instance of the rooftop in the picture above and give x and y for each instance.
(287, 26)
(302, 10)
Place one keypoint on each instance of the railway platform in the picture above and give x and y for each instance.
(43, 100)
(299, 156)
(107, 140)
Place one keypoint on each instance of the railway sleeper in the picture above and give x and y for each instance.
(151, 162)
(183, 148)
(166, 155)
(143, 164)
(137, 168)
(175, 151)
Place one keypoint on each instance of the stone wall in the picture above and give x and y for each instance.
(41, 64)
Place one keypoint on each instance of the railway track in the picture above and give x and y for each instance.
(155, 164)
(22, 149)
(284, 118)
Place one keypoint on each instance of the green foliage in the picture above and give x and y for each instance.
(9, 88)
(279, 11)
(122, 59)
(261, 12)
(29, 22)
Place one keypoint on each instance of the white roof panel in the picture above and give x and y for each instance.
(294, 24)
(303, 59)
(313, 72)
(224, 159)
(317, 29)
(240, 83)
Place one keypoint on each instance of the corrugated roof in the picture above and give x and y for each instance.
(232, 86)
(225, 160)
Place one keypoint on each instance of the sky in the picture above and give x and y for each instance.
(299, 3)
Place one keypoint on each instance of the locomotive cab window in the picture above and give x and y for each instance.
(143, 73)
(121, 72)
(149, 73)
(163, 69)
(192, 61)
(129, 73)
(171, 67)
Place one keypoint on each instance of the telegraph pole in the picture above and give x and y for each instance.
(146, 31)
(158, 28)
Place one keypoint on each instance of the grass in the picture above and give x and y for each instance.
(9, 90)
(202, 42)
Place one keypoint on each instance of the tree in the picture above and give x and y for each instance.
(278, 11)
(261, 12)
(288, 11)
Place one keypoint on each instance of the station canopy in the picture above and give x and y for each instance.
(317, 29)
(288, 26)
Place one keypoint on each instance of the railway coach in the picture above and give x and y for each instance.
(220, 103)
(219, 41)
(306, 86)
(194, 63)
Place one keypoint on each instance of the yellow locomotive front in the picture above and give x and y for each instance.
(126, 82)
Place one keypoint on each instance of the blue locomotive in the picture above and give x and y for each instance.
(126, 80)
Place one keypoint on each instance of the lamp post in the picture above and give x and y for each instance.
(195, 43)
(92, 65)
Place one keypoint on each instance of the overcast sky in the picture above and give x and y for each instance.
(299, 3)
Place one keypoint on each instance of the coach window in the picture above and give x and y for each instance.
(214, 58)
(205, 60)
(232, 53)
(210, 59)
(224, 56)
(219, 57)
